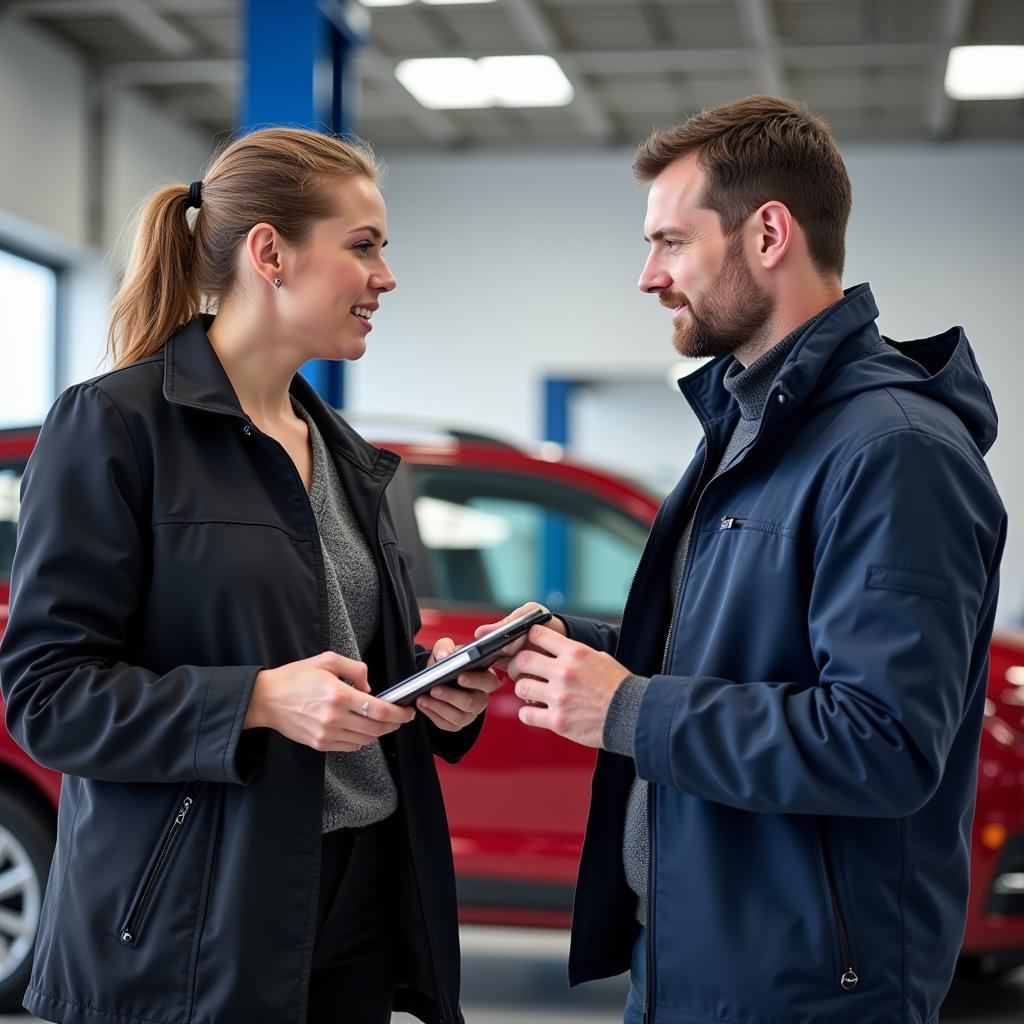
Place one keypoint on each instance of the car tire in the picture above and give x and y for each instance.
(26, 848)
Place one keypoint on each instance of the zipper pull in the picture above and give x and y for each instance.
(849, 979)
(731, 523)
(186, 804)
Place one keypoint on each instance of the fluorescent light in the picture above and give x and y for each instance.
(458, 82)
(458, 1)
(445, 82)
(534, 81)
(985, 73)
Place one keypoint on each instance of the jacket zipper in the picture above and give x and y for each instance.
(731, 523)
(849, 979)
(130, 931)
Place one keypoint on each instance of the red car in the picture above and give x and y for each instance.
(487, 527)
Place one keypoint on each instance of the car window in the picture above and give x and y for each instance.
(10, 484)
(502, 539)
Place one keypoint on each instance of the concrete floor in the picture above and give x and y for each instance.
(517, 976)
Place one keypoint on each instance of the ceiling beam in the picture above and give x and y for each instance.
(147, 22)
(739, 58)
(591, 61)
(175, 72)
(956, 19)
(758, 19)
(537, 30)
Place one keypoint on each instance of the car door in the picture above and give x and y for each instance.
(491, 539)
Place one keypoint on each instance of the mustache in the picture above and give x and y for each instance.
(672, 300)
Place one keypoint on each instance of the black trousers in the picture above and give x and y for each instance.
(352, 980)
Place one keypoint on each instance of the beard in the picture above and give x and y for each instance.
(734, 310)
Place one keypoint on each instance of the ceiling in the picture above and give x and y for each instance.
(873, 68)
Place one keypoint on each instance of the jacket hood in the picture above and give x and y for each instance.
(843, 354)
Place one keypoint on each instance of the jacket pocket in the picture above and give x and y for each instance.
(848, 978)
(130, 930)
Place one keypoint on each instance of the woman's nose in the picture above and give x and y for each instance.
(383, 280)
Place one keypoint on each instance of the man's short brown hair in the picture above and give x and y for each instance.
(758, 149)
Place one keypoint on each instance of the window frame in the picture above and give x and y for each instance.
(58, 340)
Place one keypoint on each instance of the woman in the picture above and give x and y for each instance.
(206, 592)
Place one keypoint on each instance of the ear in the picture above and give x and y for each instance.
(263, 248)
(775, 230)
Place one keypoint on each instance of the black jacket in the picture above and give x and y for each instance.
(167, 552)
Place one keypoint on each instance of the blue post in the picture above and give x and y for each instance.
(299, 71)
(555, 547)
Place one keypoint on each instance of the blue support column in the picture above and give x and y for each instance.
(555, 546)
(299, 73)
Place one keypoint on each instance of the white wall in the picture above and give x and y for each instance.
(44, 180)
(516, 267)
(43, 132)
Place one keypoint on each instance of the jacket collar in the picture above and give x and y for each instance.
(194, 377)
(844, 333)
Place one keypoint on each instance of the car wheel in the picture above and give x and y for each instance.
(26, 848)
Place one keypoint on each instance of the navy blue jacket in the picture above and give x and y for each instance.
(811, 729)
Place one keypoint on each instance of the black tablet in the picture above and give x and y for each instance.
(474, 656)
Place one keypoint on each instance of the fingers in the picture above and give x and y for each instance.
(445, 712)
(521, 610)
(445, 646)
(552, 641)
(380, 711)
(352, 671)
(534, 691)
(485, 682)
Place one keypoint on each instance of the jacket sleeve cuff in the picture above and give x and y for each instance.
(598, 635)
(654, 723)
(620, 724)
(223, 753)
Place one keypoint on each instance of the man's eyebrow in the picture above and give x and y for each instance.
(370, 229)
(664, 232)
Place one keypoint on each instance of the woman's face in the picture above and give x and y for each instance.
(333, 283)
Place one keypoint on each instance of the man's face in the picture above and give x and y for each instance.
(697, 271)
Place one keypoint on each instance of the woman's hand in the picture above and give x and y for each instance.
(311, 702)
(453, 707)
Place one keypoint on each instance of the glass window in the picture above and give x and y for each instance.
(10, 485)
(503, 539)
(28, 297)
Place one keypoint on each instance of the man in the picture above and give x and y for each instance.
(790, 712)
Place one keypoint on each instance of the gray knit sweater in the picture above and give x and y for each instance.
(750, 387)
(358, 787)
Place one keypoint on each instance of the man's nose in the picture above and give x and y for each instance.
(654, 278)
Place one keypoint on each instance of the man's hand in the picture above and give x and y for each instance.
(554, 623)
(568, 686)
(453, 707)
(478, 680)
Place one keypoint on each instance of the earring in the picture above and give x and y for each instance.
(277, 281)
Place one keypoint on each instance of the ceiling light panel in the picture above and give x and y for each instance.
(985, 73)
(453, 83)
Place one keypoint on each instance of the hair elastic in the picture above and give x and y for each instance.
(195, 195)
